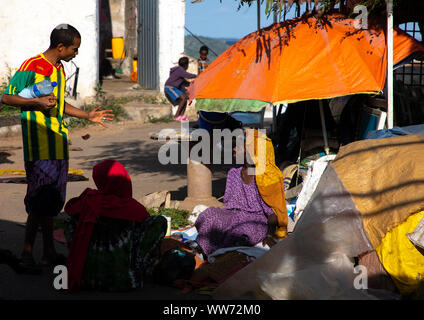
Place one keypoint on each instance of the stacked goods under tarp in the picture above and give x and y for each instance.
(367, 202)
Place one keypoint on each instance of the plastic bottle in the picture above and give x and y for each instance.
(43, 88)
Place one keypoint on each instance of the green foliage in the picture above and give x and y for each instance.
(99, 92)
(78, 123)
(116, 107)
(5, 109)
(9, 110)
(112, 104)
(145, 99)
(152, 99)
(179, 218)
(157, 120)
(325, 5)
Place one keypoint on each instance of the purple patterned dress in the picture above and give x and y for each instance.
(244, 221)
(46, 190)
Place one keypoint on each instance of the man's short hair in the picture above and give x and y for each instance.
(64, 34)
(204, 48)
(183, 62)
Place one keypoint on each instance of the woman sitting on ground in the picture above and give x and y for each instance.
(114, 240)
(255, 204)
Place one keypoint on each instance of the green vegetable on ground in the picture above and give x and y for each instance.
(179, 218)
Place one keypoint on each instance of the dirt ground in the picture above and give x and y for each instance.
(128, 142)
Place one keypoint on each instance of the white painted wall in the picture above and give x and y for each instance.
(171, 36)
(26, 27)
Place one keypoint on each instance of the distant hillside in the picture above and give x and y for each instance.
(192, 46)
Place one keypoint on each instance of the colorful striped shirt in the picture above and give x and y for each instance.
(44, 134)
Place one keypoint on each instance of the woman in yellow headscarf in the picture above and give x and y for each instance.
(254, 202)
(269, 178)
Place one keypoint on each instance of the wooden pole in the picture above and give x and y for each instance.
(276, 7)
(390, 64)
(259, 13)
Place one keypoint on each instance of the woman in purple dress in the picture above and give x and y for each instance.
(245, 221)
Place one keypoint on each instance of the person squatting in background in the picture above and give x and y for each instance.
(176, 87)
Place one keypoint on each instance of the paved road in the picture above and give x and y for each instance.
(129, 143)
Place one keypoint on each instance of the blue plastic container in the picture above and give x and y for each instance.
(209, 120)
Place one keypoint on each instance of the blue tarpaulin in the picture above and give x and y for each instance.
(395, 132)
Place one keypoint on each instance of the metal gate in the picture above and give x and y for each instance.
(148, 74)
(411, 74)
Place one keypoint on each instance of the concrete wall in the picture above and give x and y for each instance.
(171, 36)
(26, 27)
(131, 20)
(117, 13)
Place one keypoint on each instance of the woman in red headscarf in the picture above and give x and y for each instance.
(114, 240)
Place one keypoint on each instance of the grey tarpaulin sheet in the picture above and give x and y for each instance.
(315, 261)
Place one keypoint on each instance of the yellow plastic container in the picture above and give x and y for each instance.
(118, 48)
(135, 65)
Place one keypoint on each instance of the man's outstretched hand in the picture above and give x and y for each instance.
(100, 116)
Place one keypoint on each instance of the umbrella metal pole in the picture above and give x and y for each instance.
(390, 64)
(324, 129)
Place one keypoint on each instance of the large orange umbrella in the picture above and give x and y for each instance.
(299, 59)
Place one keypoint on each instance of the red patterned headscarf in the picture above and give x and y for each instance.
(112, 199)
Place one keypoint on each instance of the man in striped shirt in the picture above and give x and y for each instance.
(45, 138)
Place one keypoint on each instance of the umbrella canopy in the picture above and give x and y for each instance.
(299, 59)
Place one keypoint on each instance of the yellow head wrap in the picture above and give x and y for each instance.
(269, 179)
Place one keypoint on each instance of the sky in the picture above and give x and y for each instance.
(211, 18)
